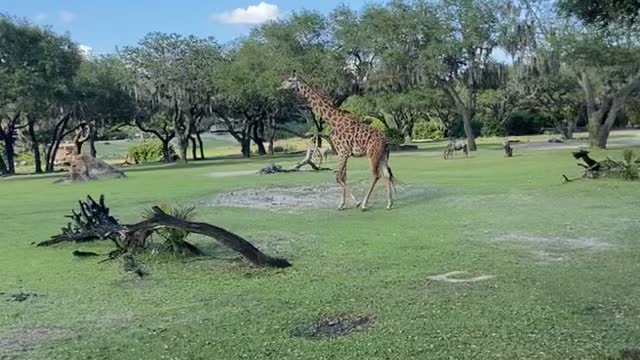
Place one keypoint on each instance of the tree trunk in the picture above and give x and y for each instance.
(58, 135)
(272, 138)
(35, 147)
(9, 151)
(246, 147)
(571, 127)
(200, 145)
(615, 106)
(467, 117)
(8, 135)
(194, 153)
(166, 155)
(93, 134)
(257, 139)
(3, 167)
(81, 136)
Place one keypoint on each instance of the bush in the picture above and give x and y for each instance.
(490, 126)
(26, 158)
(427, 129)
(150, 151)
(457, 128)
(394, 136)
(525, 123)
(631, 170)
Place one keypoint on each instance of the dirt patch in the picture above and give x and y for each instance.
(25, 340)
(309, 196)
(332, 327)
(557, 242)
(22, 296)
(134, 283)
(460, 277)
(232, 173)
(543, 256)
(628, 354)
(510, 199)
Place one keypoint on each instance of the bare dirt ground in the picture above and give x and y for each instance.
(629, 138)
(456, 277)
(331, 327)
(13, 343)
(546, 250)
(310, 196)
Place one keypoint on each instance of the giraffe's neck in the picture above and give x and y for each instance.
(321, 106)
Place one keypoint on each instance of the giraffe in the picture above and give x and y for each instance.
(350, 137)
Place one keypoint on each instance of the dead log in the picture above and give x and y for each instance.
(227, 238)
(95, 223)
(627, 169)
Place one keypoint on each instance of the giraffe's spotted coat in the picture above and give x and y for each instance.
(350, 137)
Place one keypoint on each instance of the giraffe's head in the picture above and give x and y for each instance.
(291, 83)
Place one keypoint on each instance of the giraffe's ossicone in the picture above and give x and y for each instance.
(350, 137)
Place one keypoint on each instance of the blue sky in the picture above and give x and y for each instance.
(103, 25)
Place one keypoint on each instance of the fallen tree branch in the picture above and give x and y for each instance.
(94, 223)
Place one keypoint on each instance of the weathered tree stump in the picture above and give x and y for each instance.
(95, 223)
(85, 168)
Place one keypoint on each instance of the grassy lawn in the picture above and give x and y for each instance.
(565, 260)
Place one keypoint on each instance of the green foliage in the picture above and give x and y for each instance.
(149, 151)
(394, 136)
(525, 123)
(631, 165)
(24, 157)
(602, 12)
(491, 125)
(428, 129)
(174, 240)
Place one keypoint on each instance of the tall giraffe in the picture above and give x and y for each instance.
(350, 137)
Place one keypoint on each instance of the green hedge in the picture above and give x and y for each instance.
(149, 151)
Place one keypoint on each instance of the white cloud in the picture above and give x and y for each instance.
(85, 50)
(67, 16)
(253, 14)
(40, 17)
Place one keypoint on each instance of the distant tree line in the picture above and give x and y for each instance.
(415, 68)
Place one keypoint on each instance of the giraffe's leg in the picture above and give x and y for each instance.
(341, 177)
(375, 163)
(389, 185)
(346, 190)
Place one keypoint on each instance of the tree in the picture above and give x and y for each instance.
(172, 73)
(602, 12)
(251, 106)
(101, 100)
(463, 64)
(36, 80)
(602, 60)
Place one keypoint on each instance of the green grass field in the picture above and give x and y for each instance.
(565, 260)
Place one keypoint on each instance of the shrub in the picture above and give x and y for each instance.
(394, 136)
(457, 128)
(26, 158)
(525, 123)
(427, 129)
(150, 151)
(174, 240)
(631, 164)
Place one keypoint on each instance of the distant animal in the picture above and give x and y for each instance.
(453, 146)
(508, 150)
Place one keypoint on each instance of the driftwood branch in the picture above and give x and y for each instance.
(93, 222)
